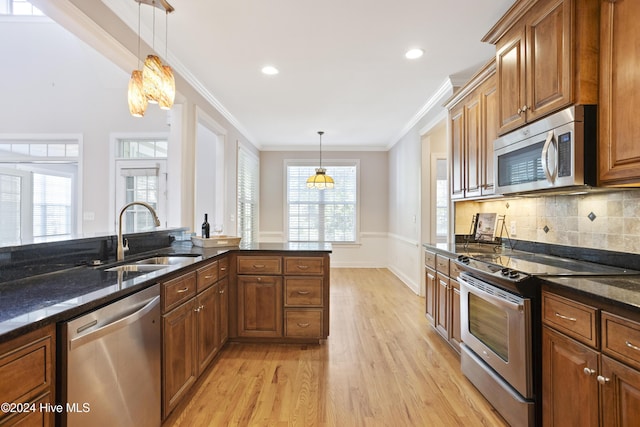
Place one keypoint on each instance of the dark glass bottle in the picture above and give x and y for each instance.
(205, 227)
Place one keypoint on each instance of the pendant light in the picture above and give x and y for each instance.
(320, 180)
(135, 95)
(155, 83)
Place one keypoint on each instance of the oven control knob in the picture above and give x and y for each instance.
(513, 274)
(505, 271)
(463, 259)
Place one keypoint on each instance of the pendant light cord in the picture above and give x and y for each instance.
(320, 133)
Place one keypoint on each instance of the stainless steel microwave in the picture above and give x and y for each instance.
(557, 152)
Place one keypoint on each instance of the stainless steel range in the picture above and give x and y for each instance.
(500, 326)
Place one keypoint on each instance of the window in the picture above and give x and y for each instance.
(442, 201)
(18, 7)
(248, 172)
(38, 188)
(141, 177)
(322, 215)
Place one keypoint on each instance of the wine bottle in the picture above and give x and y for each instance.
(205, 227)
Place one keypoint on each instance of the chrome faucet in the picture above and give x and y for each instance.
(123, 245)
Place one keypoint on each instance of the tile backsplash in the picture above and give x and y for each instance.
(602, 220)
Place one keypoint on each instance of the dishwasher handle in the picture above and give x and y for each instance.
(114, 325)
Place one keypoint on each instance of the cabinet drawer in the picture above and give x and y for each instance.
(454, 270)
(207, 276)
(223, 267)
(259, 265)
(303, 265)
(621, 339)
(303, 323)
(572, 318)
(303, 291)
(26, 367)
(442, 264)
(430, 259)
(178, 290)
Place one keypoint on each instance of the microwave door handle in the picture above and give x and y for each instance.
(551, 175)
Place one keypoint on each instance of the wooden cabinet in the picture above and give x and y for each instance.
(619, 129)
(194, 327)
(27, 367)
(287, 301)
(473, 128)
(443, 297)
(586, 348)
(546, 58)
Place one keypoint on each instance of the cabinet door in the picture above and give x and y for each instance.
(619, 126)
(455, 333)
(442, 305)
(510, 71)
(489, 98)
(223, 311)
(472, 143)
(260, 306)
(457, 152)
(430, 293)
(179, 354)
(207, 326)
(549, 60)
(569, 386)
(620, 394)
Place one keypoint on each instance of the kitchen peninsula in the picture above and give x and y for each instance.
(269, 292)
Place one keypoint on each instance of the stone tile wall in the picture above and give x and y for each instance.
(601, 220)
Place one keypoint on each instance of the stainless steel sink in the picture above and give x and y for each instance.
(163, 260)
(138, 267)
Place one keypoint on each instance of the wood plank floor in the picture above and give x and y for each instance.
(382, 365)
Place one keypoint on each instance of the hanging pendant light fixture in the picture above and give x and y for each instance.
(320, 180)
(135, 95)
(155, 82)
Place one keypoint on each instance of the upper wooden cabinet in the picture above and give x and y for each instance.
(546, 58)
(619, 129)
(473, 125)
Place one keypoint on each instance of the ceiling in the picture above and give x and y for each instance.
(341, 63)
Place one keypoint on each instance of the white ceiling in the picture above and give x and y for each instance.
(342, 65)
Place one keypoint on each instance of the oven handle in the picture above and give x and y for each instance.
(489, 297)
(551, 175)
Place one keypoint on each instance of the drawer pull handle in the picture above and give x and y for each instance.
(223, 268)
(588, 371)
(304, 325)
(209, 277)
(303, 292)
(303, 267)
(258, 265)
(571, 319)
(182, 291)
(635, 347)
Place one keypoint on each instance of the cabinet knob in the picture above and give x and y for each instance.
(602, 380)
(588, 371)
(524, 108)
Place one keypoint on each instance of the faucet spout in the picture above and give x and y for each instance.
(121, 246)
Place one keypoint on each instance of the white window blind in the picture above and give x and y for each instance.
(248, 171)
(10, 209)
(51, 205)
(322, 215)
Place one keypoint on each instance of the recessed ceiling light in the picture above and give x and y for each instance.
(414, 53)
(270, 70)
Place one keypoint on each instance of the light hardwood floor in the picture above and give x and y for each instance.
(382, 365)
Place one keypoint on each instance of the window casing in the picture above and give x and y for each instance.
(322, 215)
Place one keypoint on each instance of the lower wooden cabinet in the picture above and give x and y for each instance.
(194, 332)
(27, 369)
(260, 306)
(582, 382)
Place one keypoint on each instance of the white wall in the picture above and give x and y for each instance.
(371, 251)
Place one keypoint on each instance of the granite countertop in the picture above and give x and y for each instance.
(621, 290)
(33, 302)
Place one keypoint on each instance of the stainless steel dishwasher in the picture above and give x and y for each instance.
(112, 361)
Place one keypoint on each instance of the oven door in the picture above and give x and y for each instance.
(496, 326)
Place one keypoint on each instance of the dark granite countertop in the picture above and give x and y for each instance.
(33, 302)
(621, 290)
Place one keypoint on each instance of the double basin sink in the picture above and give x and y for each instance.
(155, 263)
